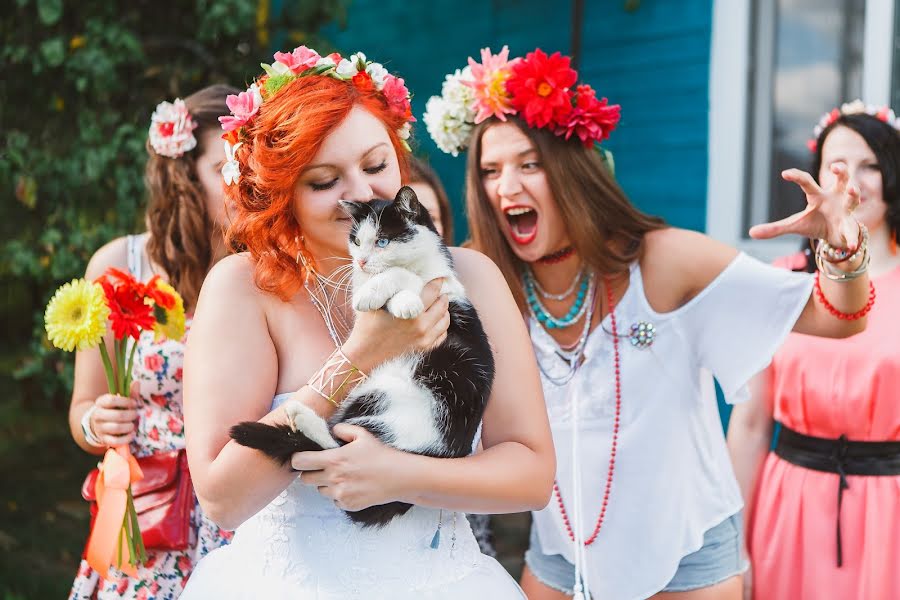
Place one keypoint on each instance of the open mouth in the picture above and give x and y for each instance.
(522, 223)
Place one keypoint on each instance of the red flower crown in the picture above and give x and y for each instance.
(538, 88)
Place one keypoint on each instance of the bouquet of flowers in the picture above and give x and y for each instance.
(78, 317)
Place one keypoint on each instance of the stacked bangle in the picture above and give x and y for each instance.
(837, 255)
(827, 257)
(89, 436)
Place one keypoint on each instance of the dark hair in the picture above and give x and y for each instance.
(421, 172)
(884, 141)
(180, 227)
(592, 204)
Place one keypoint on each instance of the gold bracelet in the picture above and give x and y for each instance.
(334, 375)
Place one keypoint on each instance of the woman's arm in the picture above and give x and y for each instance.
(679, 264)
(112, 422)
(516, 469)
(231, 375)
(749, 439)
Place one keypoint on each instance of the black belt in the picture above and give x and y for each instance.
(841, 456)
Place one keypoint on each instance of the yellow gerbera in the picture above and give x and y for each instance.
(76, 316)
(169, 323)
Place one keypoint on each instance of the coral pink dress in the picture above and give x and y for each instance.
(826, 388)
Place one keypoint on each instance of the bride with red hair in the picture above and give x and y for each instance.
(310, 133)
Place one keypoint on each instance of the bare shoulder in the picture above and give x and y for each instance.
(677, 264)
(477, 272)
(112, 254)
(233, 275)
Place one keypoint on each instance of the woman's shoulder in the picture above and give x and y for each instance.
(678, 263)
(231, 275)
(112, 254)
(473, 267)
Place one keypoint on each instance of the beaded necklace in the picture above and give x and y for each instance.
(575, 313)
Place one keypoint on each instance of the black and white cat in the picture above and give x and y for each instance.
(427, 403)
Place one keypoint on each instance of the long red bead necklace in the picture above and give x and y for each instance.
(615, 434)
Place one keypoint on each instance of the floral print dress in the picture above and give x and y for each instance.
(158, 369)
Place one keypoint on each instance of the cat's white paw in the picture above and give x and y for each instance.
(306, 421)
(371, 296)
(405, 305)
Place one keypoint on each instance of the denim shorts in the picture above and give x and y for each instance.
(717, 560)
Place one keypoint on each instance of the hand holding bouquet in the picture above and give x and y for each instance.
(78, 317)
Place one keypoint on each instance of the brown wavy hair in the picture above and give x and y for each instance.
(606, 230)
(280, 141)
(180, 227)
(421, 172)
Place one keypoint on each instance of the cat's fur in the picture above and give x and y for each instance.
(427, 403)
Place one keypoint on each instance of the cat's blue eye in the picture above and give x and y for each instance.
(355, 240)
(381, 242)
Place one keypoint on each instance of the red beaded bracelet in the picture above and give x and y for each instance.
(842, 315)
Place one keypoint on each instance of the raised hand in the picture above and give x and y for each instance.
(828, 212)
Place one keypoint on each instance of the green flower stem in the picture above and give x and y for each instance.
(126, 388)
(108, 367)
(140, 554)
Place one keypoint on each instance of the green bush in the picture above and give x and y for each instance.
(80, 81)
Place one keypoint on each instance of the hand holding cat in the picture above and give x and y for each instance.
(377, 336)
(360, 474)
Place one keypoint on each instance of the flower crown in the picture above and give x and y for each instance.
(172, 129)
(306, 62)
(857, 107)
(538, 88)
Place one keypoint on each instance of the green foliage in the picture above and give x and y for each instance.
(80, 82)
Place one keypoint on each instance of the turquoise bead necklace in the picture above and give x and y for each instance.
(574, 314)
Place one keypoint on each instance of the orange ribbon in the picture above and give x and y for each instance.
(117, 472)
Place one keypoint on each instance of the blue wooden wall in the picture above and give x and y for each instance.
(654, 61)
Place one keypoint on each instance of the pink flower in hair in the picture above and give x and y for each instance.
(397, 96)
(591, 120)
(243, 107)
(489, 84)
(301, 59)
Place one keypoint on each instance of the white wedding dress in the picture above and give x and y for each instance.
(301, 547)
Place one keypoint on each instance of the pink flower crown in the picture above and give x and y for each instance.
(538, 88)
(857, 107)
(306, 62)
(172, 129)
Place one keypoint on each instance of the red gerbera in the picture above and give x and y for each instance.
(129, 313)
(539, 88)
(591, 120)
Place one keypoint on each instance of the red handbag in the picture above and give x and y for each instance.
(163, 500)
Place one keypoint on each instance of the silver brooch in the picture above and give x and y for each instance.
(642, 335)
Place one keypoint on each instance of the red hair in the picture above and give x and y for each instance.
(280, 141)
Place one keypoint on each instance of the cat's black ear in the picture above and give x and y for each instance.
(355, 210)
(408, 202)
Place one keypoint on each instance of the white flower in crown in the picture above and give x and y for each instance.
(447, 129)
(276, 68)
(349, 67)
(405, 131)
(856, 107)
(231, 170)
(449, 118)
(172, 129)
(378, 74)
(326, 60)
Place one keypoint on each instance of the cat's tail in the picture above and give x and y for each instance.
(276, 441)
